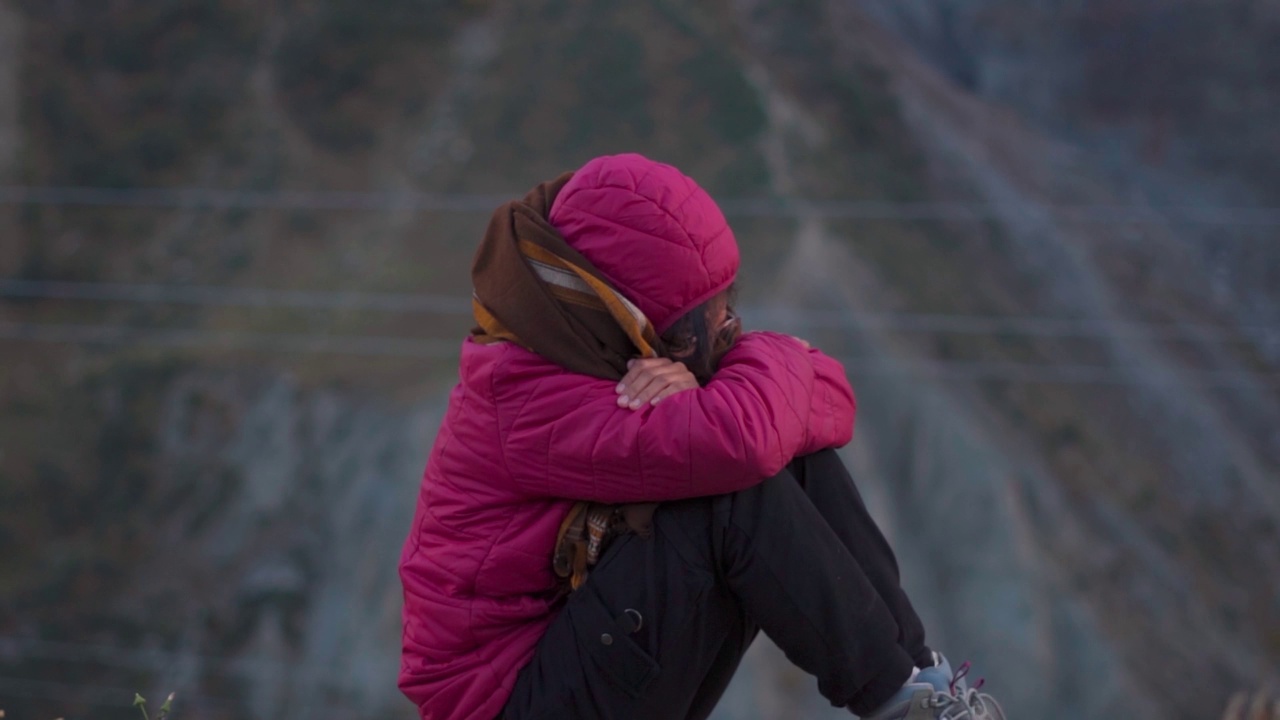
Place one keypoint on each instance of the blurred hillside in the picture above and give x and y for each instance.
(1042, 235)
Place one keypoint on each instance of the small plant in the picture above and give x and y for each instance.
(141, 703)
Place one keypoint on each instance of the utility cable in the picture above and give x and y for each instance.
(386, 346)
(323, 200)
(447, 305)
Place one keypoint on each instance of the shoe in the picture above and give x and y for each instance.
(936, 693)
(941, 676)
(982, 706)
(921, 701)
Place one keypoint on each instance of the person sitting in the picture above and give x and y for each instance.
(626, 487)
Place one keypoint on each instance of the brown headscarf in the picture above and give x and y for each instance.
(533, 289)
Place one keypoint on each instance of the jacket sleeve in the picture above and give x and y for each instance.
(770, 401)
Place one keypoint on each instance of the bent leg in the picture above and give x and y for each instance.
(831, 489)
(809, 594)
(787, 555)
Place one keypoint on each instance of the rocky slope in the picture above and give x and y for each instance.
(1066, 372)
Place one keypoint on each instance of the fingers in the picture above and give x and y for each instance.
(638, 367)
(647, 384)
(649, 378)
(680, 385)
(665, 377)
(803, 342)
(639, 374)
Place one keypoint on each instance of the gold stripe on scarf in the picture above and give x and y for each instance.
(494, 330)
(555, 270)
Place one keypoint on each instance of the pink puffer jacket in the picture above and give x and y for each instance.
(523, 439)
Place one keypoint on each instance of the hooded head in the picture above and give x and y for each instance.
(657, 236)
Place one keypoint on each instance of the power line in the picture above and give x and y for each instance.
(1036, 326)
(229, 296)
(118, 657)
(121, 657)
(99, 696)
(85, 694)
(217, 199)
(257, 297)
(1056, 373)
(358, 345)
(322, 200)
(981, 212)
(384, 346)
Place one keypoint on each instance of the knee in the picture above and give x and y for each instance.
(822, 462)
(765, 502)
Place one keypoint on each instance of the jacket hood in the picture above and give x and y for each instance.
(651, 230)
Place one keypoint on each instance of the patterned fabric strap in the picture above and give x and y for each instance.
(585, 534)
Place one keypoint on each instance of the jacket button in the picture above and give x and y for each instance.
(607, 639)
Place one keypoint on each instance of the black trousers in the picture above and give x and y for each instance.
(662, 623)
